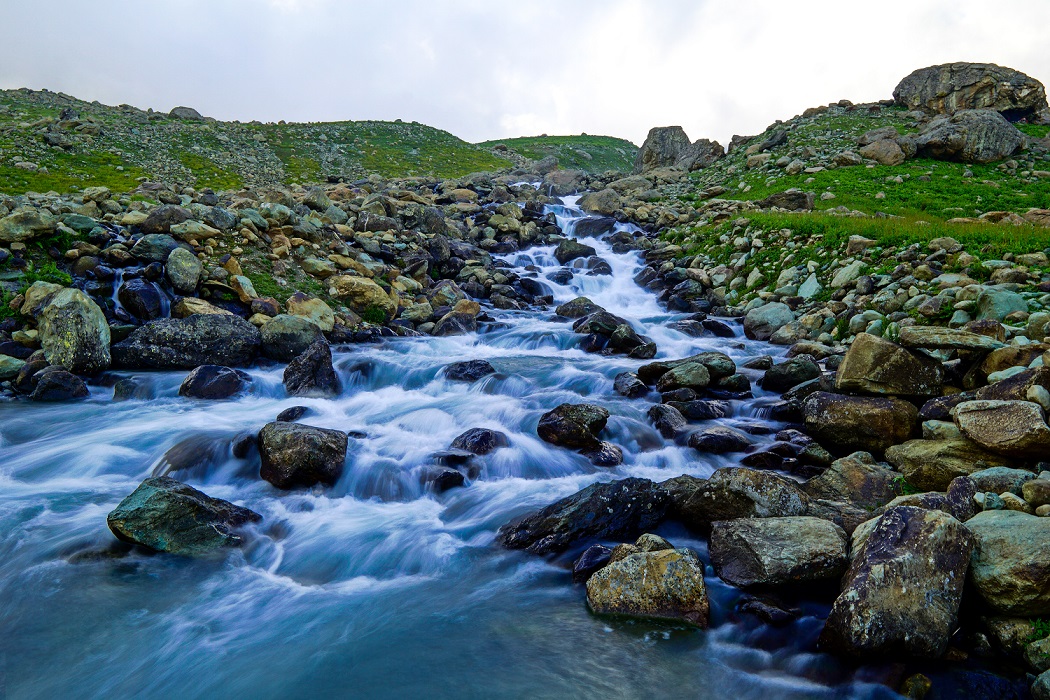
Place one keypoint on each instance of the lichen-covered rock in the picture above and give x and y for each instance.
(201, 339)
(762, 322)
(666, 584)
(285, 337)
(615, 510)
(931, 465)
(777, 551)
(74, 332)
(168, 516)
(574, 425)
(950, 87)
(363, 296)
(738, 492)
(902, 591)
(855, 479)
(718, 365)
(301, 455)
(183, 270)
(876, 366)
(848, 423)
(970, 136)
(1012, 428)
(1011, 562)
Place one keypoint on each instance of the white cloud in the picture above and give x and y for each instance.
(487, 70)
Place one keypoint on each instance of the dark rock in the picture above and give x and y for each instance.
(442, 479)
(777, 551)
(792, 200)
(189, 342)
(480, 441)
(286, 337)
(570, 249)
(702, 410)
(790, 374)
(606, 455)
(58, 385)
(312, 373)
(667, 419)
(733, 493)
(573, 425)
(154, 247)
(290, 415)
(468, 371)
(161, 219)
(718, 440)
(301, 455)
(627, 384)
(845, 424)
(593, 558)
(213, 382)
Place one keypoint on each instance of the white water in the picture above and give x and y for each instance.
(375, 587)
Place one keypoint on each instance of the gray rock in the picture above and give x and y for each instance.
(950, 87)
(312, 373)
(301, 455)
(573, 425)
(285, 337)
(763, 321)
(183, 270)
(154, 247)
(876, 366)
(74, 332)
(1011, 562)
(666, 584)
(189, 342)
(737, 492)
(777, 551)
(970, 136)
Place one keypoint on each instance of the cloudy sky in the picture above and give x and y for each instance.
(486, 69)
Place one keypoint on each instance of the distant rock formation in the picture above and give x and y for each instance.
(951, 87)
(669, 146)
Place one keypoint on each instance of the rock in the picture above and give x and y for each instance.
(668, 420)
(593, 558)
(970, 136)
(876, 366)
(931, 465)
(932, 337)
(37, 297)
(285, 337)
(183, 270)
(364, 297)
(25, 225)
(791, 200)
(884, 151)
(168, 516)
(1010, 568)
(718, 365)
(1015, 387)
(690, 375)
(627, 384)
(469, 370)
(719, 439)
(189, 306)
(614, 510)
(663, 147)
(190, 342)
(578, 308)
(11, 366)
(950, 87)
(738, 492)
(605, 202)
(573, 425)
(58, 385)
(1041, 687)
(301, 455)
(790, 374)
(74, 332)
(314, 310)
(902, 591)
(161, 219)
(213, 382)
(851, 423)
(455, 323)
(570, 249)
(186, 113)
(154, 247)
(1011, 428)
(480, 441)
(666, 584)
(312, 373)
(777, 551)
(997, 304)
(855, 479)
(140, 298)
(762, 322)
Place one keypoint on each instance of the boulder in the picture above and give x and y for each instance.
(789, 374)
(364, 297)
(970, 136)
(480, 441)
(950, 87)
(469, 370)
(931, 465)
(691, 375)
(663, 147)
(301, 455)
(718, 365)
(719, 439)
(213, 382)
(763, 321)
(615, 510)
(55, 384)
(168, 516)
(161, 219)
(186, 113)
(902, 591)
(570, 249)
(285, 337)
(996, 304)
(935, 338)
(777, 551)
(25, 225)
(189, 342)
(856, 479)
(183, 270)
(1012, 428)
(738, 492)
(627, 384)
(876, 366)
(312, 373)
(140, 298)
(314, 310)
(668, 420)
(849, 423)
(573, 425)
(74, 332)
(578, 308)
(154, 247)
(791, 200)
(604, 202)
(884, 151)
(667, 585)
(1010, 568)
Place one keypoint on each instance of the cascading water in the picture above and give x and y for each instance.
(375, 587)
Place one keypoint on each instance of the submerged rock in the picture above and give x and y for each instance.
(168, 516)
(480, 441)
(469, 371)
(666, 584)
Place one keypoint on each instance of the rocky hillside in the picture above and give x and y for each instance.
(593, 154)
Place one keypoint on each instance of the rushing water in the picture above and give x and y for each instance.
(375, 587)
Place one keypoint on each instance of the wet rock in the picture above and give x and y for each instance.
(667, 420)
(777, 551)
(733, 493)
(605, 455)
(213, 382)
(876, 366)
(691, 375)
(168, 516)
(570, 249)
(468, 371)
(312, 373)
(480, 441)
(455, 323)
(578, 308)
(74, 332)
(855, 479)
(442, 479)
(286, 337)
(56, 384)
(627, 384)
(290, 415)
(301, 455)
(850, 423)
(183, 270)
(790, 374)
(718, 365)
(615, 510)
(902, 592)
(931, 465)
(667, 584)
(1012, 428)
(604, 202)
(140, 298)
(701, 410)
(762, 322)
(593, 558)
(187, 343)
(719, 440)
(1011, 563)
(573, 425)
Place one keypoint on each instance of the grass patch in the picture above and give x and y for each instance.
(208, 174)
(591, 153)
(67, 171)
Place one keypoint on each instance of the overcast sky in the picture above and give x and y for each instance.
(486, 69)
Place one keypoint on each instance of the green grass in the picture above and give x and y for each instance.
(591, 153)
(67, 171)
(1039, 131)
(208, 174)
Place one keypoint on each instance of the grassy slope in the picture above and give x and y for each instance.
(594, 154)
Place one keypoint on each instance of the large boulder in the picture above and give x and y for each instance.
(183, 270)
(364, 297)
(738, 492)
(855, 479)
(931, 465)
(950, 87)
(285, 337)
(777, 551)
(168, 516)
(301, 455)
(763, 321)
(718, 365)
(161, 219)
(662, 148)
(570, 249)
(667, 584)
(605, 202)
(970, 136)
(25, 225)
(902, 591)
(876, 366)
(849, 423)
(1012, 428)
(201, 339)
(74, 332)
(1011, 562)
(154, 247)
(573, 425)
(613, 510)
(312, 373)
